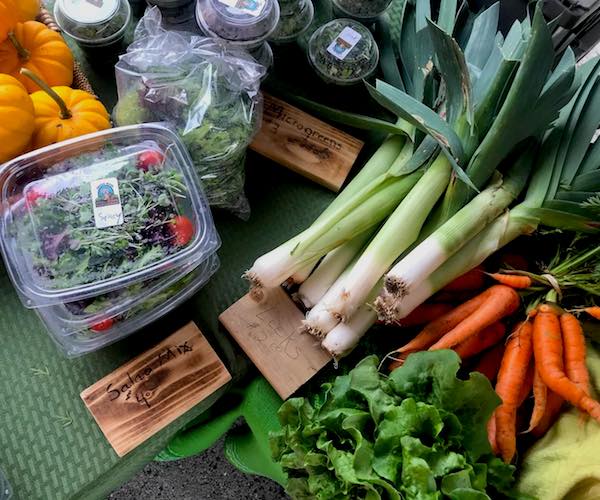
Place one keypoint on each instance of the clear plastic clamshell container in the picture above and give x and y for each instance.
(295, 18)
(343, 52)
(175, 11)
(360, 9)
(114, 327)
(101, 212)
(239, 22)
(97, 26)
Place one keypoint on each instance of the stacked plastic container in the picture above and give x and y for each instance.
(105, 233)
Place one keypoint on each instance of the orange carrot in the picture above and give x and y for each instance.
(501, 301)
(550, 308)
(540, 395)
(548, 348)
(491, 431)
(593, 311)
(554, 404)
(426, 313)
(489, 363)
(471, 280)
(481, 341)
(575, 352)
(527, 384)
(511, 280)
(511, 379)
(437, 328)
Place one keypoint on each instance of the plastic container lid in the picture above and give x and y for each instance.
(132, 320)
(360, 9)
(175, 11)
(343, 52)
(294, 20)
(263, 55)
(101, 212)
(241, 22)
(93, 23)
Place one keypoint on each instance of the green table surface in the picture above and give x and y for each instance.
(50, 447)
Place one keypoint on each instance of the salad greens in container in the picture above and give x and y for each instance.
(101, 212)
(343, 52)
(294, 20)
(175, 11)
(90, 334)
(97, 27)
(207, 92)
(245, 23)
(360, 10)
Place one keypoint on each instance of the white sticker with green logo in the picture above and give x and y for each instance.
(106, 202)
(344, 43)
(251, 7)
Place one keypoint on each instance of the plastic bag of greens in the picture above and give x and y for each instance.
(208, 92)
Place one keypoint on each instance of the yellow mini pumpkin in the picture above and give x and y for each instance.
(27, 9)
(33, 46)
(61, 113)
(9, 16)
(16, 118)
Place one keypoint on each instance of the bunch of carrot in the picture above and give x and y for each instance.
(550, 344)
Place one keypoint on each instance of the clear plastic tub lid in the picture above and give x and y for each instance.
(93, 313)
(243, 22)
(93, 22)
(343, 51)
(101, 212)
(120, 326)
(360, 9)
(294, 20)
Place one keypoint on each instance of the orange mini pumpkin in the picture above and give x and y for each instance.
(27, 9)
(33, 46)
(16, 118)
(62, 113)
(9, 16)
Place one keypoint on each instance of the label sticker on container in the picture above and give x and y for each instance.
(344, 43)
(251, 7)
(89, 11)
(107, 202)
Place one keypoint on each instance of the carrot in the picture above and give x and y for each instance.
(425, 313)
(548, 348)
(540, 395)
(575, 352)
(481, 341)
(554, 404)
(593, 311)
(511, 380)
(491, 432)
(550, 308)
(489, 364)
(501, 301)
(471, 280)
(526, 385)
(437, 328)
(511, 280)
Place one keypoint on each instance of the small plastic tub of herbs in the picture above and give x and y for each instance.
(97, 27)
(101, 212)
(239, 22)
(294, 20)
(343, 52)
(175, 11)
(360, 10)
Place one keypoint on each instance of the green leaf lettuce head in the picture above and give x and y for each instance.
(418, 434)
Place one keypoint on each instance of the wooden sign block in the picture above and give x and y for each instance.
(147, 393)
(269, 333)
(304, 144)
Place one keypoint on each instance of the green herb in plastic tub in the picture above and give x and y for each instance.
(175, 11)
(110, 329)
(362, 10)
(343, 52)
(294, 20)
(101, 212)
(239, 22)
(97, 27)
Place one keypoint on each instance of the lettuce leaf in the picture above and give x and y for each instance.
(418, 434)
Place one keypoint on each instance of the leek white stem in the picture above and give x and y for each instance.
(329, 270)
(399, 232)
(453, 235)
(303, 274)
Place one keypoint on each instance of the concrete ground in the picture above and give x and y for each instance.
(208, 476)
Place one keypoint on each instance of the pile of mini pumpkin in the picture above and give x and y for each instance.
(37, 105)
